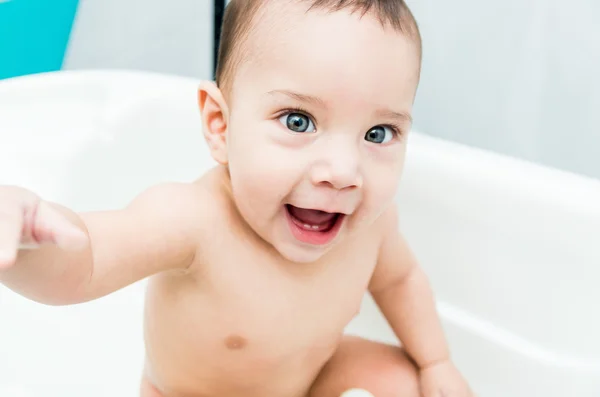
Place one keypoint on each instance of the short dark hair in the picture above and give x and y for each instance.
(240, 15)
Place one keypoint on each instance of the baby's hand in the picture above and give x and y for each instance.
(27, 220)
(444, 380)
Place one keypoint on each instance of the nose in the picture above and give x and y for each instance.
(339, 169)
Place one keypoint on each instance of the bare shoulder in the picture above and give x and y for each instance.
(170, 197)
(192, 206)
(186, 202)
(164, 228)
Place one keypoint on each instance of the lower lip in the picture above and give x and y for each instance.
(314, 237)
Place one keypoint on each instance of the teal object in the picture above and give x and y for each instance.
(34, 35)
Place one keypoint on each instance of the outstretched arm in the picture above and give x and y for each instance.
(156, 232)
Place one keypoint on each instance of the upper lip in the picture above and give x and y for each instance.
(329, 210)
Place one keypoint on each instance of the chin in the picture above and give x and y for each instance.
(299, 254)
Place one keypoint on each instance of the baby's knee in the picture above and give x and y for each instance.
(382, 370)
(392, 379)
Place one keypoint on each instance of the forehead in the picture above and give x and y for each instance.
(337, 56)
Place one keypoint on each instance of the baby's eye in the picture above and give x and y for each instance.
(379, 134)
(297, 122)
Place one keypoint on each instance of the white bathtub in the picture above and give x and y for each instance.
(511, 248)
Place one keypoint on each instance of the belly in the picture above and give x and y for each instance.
(200, 346)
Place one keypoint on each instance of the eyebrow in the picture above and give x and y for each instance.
(400, 116)
(300, 97)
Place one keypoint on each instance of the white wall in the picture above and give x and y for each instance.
(172, 36)
(515, 76)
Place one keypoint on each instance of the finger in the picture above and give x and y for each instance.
(51, 226)
(11, 225)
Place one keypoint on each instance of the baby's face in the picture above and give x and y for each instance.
(317, 127)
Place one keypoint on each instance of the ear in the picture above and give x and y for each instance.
(215, 115)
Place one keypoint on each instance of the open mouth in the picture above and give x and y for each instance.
(313, 226)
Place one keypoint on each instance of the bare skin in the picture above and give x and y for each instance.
(240, 301)
(202, 341)
(227, 322)
(239, 352)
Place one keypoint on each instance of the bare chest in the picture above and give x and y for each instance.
(248, 317)
(294, 306)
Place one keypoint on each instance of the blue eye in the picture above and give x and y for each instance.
(297, 122)
(379, 134)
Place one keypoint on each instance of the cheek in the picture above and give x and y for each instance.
(383, 179)
(381, 192)
(262, 172)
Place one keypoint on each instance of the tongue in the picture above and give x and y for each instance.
(311, 217)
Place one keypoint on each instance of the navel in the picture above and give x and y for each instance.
(235, 342)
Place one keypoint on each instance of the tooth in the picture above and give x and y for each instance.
(315, 227)
(308, 227)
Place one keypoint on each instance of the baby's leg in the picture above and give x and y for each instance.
(383, 370)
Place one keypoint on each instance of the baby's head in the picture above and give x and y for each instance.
(311, 111)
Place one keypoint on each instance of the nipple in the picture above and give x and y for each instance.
(235, 342)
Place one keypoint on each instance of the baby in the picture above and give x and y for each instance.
(256, 268)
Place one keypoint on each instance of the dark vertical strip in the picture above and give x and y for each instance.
(219, 10)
